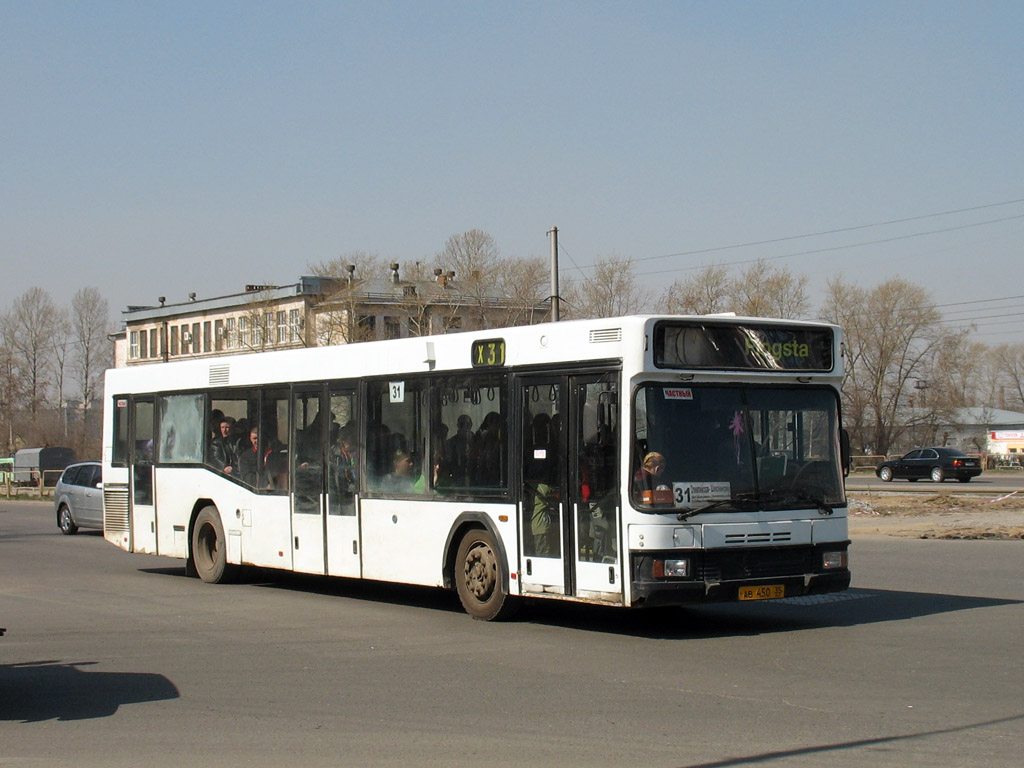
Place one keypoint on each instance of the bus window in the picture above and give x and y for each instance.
(597, 474)
(182, 431)
(307, 451)
(468, 435)
(396, 437)
(119, 456)
(230, 418)
(142, 452)
(342, 453)
(272, 472)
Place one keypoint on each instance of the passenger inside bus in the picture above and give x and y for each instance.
(490, 450)
(461, 451)
(249, 462)
(647, 479)
(223, 449)
(540, 475)
(401, 478)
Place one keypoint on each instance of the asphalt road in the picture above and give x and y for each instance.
(113, 659)
(987, 482)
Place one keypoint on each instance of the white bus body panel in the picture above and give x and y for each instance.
(404, 540)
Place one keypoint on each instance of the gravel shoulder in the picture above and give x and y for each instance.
(937, 515)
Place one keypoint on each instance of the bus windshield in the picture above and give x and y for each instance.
(735, 448)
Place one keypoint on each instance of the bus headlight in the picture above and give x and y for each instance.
(672, 569)
(833, 560)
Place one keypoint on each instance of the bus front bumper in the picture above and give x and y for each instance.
(679, 577)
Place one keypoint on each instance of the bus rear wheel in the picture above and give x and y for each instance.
(480, 576)
(209, 547)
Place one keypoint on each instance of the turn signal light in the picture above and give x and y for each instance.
(832, 560)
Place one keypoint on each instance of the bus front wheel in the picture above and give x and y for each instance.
(209, 547)
(479, 577)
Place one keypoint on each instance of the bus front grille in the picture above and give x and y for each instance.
(115, 508)
(756, 563)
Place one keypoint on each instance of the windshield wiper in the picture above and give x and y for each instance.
(688, 513)
(798, 494)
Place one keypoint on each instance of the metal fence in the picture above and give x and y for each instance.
(40, 489)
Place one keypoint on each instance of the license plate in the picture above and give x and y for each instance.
(768, 592)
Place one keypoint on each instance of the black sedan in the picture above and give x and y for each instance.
(934, 463)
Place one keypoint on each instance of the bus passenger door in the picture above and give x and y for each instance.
(343, 549)
(569, 508)
(141, 445)
(542, 511)
(594, 486)
(306, 456)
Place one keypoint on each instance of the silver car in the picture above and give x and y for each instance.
(78, 498)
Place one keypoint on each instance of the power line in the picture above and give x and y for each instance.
(835, 231)
(820, 250)
(840, 230)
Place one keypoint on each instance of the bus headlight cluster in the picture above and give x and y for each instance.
(672, 569)
(832, 560)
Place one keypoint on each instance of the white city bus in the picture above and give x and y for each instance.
(631, 461)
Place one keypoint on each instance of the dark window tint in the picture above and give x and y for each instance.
(120, 452)
(469, 440)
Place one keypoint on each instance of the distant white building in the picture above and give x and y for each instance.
(315, 311)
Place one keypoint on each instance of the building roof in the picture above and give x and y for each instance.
(306, 286)
(983, 416)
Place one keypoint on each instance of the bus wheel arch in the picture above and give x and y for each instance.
(208, 548)
(476, 566)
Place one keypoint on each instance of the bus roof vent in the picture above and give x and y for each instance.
(219, 375)
(605, 334)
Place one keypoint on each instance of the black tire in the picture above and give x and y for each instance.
(66, 522)
(209, 548)
(964, 479)
(938, 475)
(885, 474)
(480, 578)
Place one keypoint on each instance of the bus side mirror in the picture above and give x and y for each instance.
(844, 451)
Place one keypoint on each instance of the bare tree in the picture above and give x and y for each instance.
(32, 323)
(1008, 362)
(473, 256)
(525, 283)
(473, 262)
(703, 293)
(892, 336)
(761, 290)
(11, 385)
(90, 321)
(61, 341)
(339, 321)
(764, 290)
(957, 372)
(611, 290)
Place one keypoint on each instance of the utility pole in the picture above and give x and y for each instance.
(553, 234)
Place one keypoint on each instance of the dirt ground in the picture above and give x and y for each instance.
(937, 516)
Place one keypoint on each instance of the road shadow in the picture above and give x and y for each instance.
(36, 691)
(334, 586)
(854, 607)
(878, 744)
(851, 608)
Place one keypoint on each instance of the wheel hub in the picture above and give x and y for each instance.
(481, 568)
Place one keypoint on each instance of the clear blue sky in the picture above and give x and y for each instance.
(158, 148)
